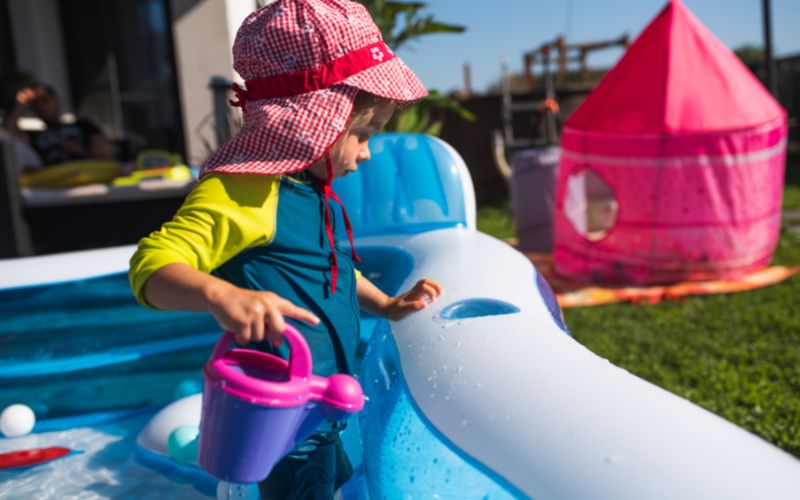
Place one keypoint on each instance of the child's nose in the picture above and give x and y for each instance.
(365, 154)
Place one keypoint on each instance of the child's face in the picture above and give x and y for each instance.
(353, 148)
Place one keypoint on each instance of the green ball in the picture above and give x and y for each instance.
(182, 443)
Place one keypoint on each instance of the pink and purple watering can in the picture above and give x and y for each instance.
(257, 407)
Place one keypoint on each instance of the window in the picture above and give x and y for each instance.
(122, 71)
(8, 63)
(590, 205)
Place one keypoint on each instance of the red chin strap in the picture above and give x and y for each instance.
(327, 189)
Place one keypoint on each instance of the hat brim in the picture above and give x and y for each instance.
(392, 80)
(288, 134)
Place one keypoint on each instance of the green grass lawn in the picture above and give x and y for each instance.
(737, 355)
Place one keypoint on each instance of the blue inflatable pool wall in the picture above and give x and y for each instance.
(412, 184)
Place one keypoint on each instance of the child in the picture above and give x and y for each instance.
(319, 82)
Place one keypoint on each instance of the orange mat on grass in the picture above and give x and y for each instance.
(581, 294)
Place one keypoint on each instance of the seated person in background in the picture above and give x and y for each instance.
(59, 142)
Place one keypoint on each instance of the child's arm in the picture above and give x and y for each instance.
(375, 301)
(24, 98)
(222, 217)
(250, 315)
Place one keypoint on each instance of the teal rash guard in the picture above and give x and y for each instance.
(265, 233)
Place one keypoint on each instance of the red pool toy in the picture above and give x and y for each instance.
(34, 456)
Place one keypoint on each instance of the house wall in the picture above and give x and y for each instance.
(203, 32)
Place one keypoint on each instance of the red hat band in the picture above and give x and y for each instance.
(315, 79)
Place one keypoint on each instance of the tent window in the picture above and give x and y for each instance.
(590, 205)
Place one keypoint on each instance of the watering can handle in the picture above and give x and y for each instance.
(300, 361)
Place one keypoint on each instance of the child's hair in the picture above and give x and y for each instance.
(364, 109)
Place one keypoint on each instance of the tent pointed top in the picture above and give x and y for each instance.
(676, 77)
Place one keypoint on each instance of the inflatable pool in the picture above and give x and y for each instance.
(482, 395)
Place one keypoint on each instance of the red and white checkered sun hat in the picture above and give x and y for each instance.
(303, 62)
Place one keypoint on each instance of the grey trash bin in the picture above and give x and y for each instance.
(533, 196)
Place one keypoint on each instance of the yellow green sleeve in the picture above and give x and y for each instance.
(222, 216)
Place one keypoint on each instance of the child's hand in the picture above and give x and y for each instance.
(26, 96)
(254, 315)
(421, 294)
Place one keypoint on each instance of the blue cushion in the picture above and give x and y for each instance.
(411, 184)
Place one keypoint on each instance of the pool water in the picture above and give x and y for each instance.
(95, 367)
(87, 346)
(107, 467)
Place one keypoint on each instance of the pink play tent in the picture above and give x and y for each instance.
(672, 168)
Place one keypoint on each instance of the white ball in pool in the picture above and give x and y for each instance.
(230, 491)
(17, 420)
